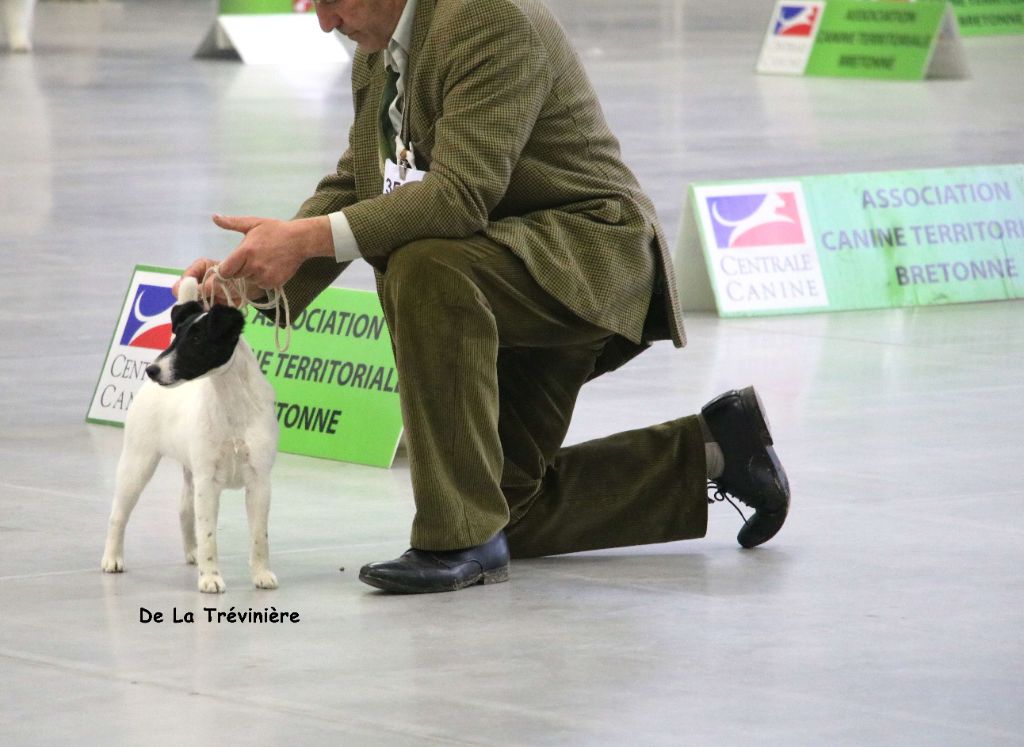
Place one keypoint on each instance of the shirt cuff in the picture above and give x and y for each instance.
(346, 248)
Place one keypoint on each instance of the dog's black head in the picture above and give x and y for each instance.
(203, 341)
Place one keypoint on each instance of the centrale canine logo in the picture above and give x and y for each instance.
(762, 219)
(149, 322)
(796, 20)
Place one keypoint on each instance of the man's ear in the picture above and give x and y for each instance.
(225, 322)
(183, 311)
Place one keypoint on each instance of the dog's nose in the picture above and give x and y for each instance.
(153, 371)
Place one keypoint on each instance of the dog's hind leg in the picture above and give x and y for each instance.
(257, 506)
(207, 503)
(187, 515)
(133, 472)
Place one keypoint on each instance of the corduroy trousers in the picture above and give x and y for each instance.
(489, 367)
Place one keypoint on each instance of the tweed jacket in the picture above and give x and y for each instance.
(502, 116)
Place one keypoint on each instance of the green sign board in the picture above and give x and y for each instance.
(983, 17)
(250, 7)
(336, 386)
(862, 39)
(854, 241)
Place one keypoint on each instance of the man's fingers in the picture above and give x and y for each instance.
(198, 268)
(240, 223)
(233, 265)
(195, 270)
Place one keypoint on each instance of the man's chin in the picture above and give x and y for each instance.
(365, 45)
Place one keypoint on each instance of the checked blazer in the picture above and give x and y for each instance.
(502, 116)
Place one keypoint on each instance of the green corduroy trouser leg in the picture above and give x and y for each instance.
(489, 367)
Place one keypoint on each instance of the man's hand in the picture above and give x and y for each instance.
(269, 255)
(198, 270)
(273, 250)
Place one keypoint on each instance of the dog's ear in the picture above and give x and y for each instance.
(225, 322)
(183, 311)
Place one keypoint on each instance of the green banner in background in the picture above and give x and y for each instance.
(250, 7)
(336, 385)
(984, 17)
(891, 40)
(862, 39)
(854, 241)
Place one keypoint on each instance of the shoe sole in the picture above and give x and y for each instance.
(755, 410)
(495, 576)
(757, 532)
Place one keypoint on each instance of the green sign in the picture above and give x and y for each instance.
(854, 241)
(862, 39)
(250, 7)
(336, 386)
(981, 17)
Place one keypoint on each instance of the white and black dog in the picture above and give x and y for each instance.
(212, 410)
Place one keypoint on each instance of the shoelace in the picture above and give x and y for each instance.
(276, 300)
(720, 495)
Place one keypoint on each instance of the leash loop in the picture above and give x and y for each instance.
(276, 300)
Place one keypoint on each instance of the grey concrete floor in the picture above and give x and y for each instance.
(888, 611)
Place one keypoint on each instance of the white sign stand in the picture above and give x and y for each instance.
(788, 55)
(692, 276)
(761, 258)
(948, 58)
(275, 38)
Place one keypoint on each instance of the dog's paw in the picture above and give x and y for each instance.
(211, 583)
(264, 579)
(190, 557)
(112, 564)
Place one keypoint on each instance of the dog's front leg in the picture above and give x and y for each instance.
(187, 515)
(257, 506)
(207, 502)
(134, 470)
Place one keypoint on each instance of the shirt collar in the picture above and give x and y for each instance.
(398, 47)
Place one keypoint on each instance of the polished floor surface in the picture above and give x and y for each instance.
(889, 611)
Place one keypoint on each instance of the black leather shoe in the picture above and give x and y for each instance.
(752, 471)
(422, 571)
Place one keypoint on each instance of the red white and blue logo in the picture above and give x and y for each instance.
(796, 20)
(761, 219)
(149, 321)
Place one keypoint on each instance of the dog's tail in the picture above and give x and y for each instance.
(188, 290)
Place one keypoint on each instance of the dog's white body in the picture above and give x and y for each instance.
(17, 15)
(221, 427)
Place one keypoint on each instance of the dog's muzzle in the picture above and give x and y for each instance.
(160, 371)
